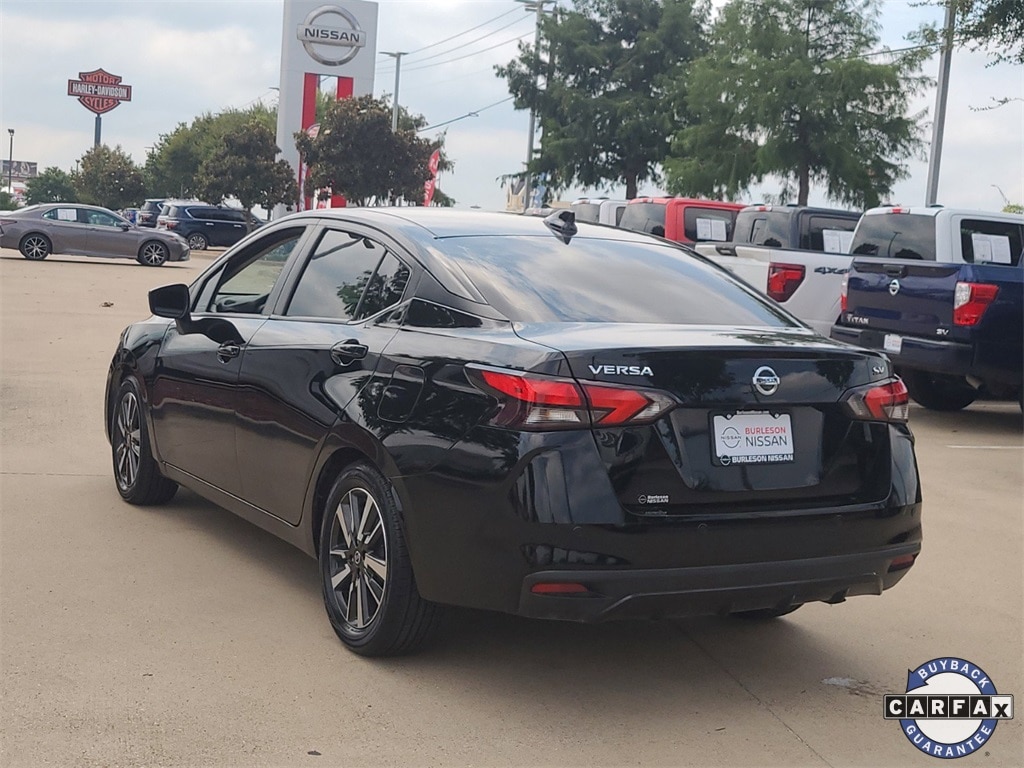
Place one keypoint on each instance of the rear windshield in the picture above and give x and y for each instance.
(895, 236)
(540, 279)
(644, 217)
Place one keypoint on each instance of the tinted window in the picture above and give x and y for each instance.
(707, 223)
(244, 285)
(770, 228)
(814, 238)
(996, 242)
(896, 236)
(644, 217)
(335, 277)
(540, 279)
(385, 287)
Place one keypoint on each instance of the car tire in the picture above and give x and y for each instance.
(368, 586)
(197, 241)
(939, 392)
(136, 472)
(762, 614)
(35, 247)
(153, 253)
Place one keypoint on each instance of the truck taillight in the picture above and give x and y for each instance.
(970, 300)
(534, 402)
(844, 295)
(783, 280)
(880, 402)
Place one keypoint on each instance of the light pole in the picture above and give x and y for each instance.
(538, 6)
(10, 164)
(397, 56)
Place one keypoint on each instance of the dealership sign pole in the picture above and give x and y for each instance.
(99, 92)
(335, 39)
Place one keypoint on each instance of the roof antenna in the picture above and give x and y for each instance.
(563, 224)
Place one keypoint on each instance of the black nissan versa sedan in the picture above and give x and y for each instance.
(520, 414)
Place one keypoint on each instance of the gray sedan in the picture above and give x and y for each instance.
(86, 230)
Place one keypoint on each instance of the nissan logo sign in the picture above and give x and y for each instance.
(894, 287)
(326, 41)
(766, 381)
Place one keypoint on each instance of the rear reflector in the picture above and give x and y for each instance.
(880, 402)
(970, 300)
(901, 563)
(783, 280)
(558, 588)
(535, 402)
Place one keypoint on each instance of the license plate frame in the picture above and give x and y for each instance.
(744, 438)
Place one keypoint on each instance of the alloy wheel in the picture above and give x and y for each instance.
(128, 440)
(197, 243)
(154, 254)
(358, 559)
(36, 247)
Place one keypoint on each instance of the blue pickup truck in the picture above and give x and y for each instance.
(941, 292)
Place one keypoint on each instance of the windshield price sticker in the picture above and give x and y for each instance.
(893, 343)
(753, 437)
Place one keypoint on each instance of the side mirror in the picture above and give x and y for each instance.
(125, 227)
(171, 301)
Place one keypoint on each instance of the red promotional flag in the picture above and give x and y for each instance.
(430, 184)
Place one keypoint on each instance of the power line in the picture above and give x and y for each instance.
(474, 113)
(474, 53)
(464, 32)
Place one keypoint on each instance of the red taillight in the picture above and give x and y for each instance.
(970, 300)
(783, 280)
(844, 297)
(533, 402)
(880, 402)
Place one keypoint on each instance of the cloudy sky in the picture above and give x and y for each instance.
(184, 58)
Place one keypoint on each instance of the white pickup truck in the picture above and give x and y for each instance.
(796, 255)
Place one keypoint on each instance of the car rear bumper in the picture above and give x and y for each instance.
(710, 590)
(955, 358)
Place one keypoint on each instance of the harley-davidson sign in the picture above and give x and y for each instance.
(99, 91)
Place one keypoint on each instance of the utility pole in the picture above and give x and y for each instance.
(10, 164)
(942, 91)
(397, 56)
(538, 6)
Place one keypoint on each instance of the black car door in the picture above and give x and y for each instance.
(314, 359)
(194, 391)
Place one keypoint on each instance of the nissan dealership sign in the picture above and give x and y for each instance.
(331, 35)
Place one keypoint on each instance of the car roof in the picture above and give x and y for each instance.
(938, 210)
(418, 222)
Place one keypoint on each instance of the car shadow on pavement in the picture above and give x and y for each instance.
(980, 421)
(112, 261)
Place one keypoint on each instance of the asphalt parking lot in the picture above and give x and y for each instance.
(182, 635)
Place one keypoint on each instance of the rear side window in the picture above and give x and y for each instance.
(896, 236)
(827, 234)
(540, 279)
(587, 212)
(707, 224)
(991, 242)
(341, 269)
(771, 229)
(644, 217)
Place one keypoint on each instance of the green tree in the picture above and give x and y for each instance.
(1013, 208)
(244, 166)
(994, 25)
(109, 177)
(357, 155)
(607, 67)
(51, 186)
(787, 90)
(172, 165)
(7, 201)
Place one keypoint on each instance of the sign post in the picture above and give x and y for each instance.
(99, 92)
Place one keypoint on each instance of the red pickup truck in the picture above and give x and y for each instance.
(682, 219)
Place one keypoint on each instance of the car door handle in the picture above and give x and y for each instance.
(226, 352)
(347, 352)
(209, 223)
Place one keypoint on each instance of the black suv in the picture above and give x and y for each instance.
(203, 225)
(150, 210)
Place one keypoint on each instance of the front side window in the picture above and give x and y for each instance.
(99, 218)
(644, 217)
(341, 281)
(245, 284)
(707, 224)
(828, 234)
